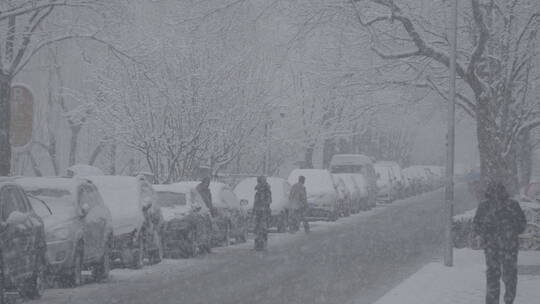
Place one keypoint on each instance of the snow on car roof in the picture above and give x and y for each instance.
(83, 170)
(317, 180)
(216, 189)
(279, 187)
(35, 183)
(178, 188)
(342, 159)
(121, 194)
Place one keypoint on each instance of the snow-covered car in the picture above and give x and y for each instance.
(187, 228)
(357, 196)
(321, 194)
(344, 196)
(361, 182)
(245, 191)
(81, 170)
(22, 243)
(231, 220)
(385, 183)
(136, 219)
(78, 227)
(357, 164)
(464, 236)
(417, 178)
(398, 181)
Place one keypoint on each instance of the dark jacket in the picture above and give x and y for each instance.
(263, 196)
(298, 196)
(499, 222)
(206, 195)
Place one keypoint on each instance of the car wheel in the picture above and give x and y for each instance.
(74, 275)
(101, 270)
(138, 253)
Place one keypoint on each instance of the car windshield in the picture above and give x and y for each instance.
(347, 168)
(59, 200)
(171, 199)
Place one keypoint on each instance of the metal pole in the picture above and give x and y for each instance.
(267, 151)
(449, 193)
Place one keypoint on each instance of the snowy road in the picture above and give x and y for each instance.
(355, 260)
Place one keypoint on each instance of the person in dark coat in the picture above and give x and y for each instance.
(498, 221)
(204, 190)
(298, 203)
(262, 212)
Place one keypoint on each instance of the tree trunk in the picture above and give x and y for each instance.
(524, 159)
(5, 114)
(112, 159)
(494, 165)
(75, 130)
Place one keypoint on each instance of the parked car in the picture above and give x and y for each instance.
(397, 179)
(321, 194)
(245, 191)
(22, 243)
(343, 196)
(187, 228)
(365, 202)
(358, 196)
(385, 183)
(136, 219)
(78, 227)
(81, 170)
(231, 220)
(357, 164)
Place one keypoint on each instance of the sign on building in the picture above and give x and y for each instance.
(22, 115)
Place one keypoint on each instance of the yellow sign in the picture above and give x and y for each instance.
(22, 115)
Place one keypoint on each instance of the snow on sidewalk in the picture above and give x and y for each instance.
(463, 283)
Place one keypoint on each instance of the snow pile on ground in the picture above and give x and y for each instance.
(464, 282)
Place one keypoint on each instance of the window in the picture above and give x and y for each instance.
(9, 202)
(22, 201)
(171, 199)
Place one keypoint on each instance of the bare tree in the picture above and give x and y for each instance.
(21, 24)
(498, 52)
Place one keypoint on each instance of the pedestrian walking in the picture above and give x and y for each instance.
(261, 211)
(204, 191)
(298, 203)
(498, 221)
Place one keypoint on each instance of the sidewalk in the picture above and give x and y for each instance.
(465, 282)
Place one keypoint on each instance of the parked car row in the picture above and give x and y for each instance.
(394, 183)
(54, 228)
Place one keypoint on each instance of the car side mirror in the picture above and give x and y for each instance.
(16, 218)
(244, 202)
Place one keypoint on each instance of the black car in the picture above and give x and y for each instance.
(22, 244)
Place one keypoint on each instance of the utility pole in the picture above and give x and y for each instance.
(450, 138)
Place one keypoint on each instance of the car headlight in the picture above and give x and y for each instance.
(59, 234)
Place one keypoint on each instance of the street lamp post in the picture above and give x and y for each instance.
(449, 193)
